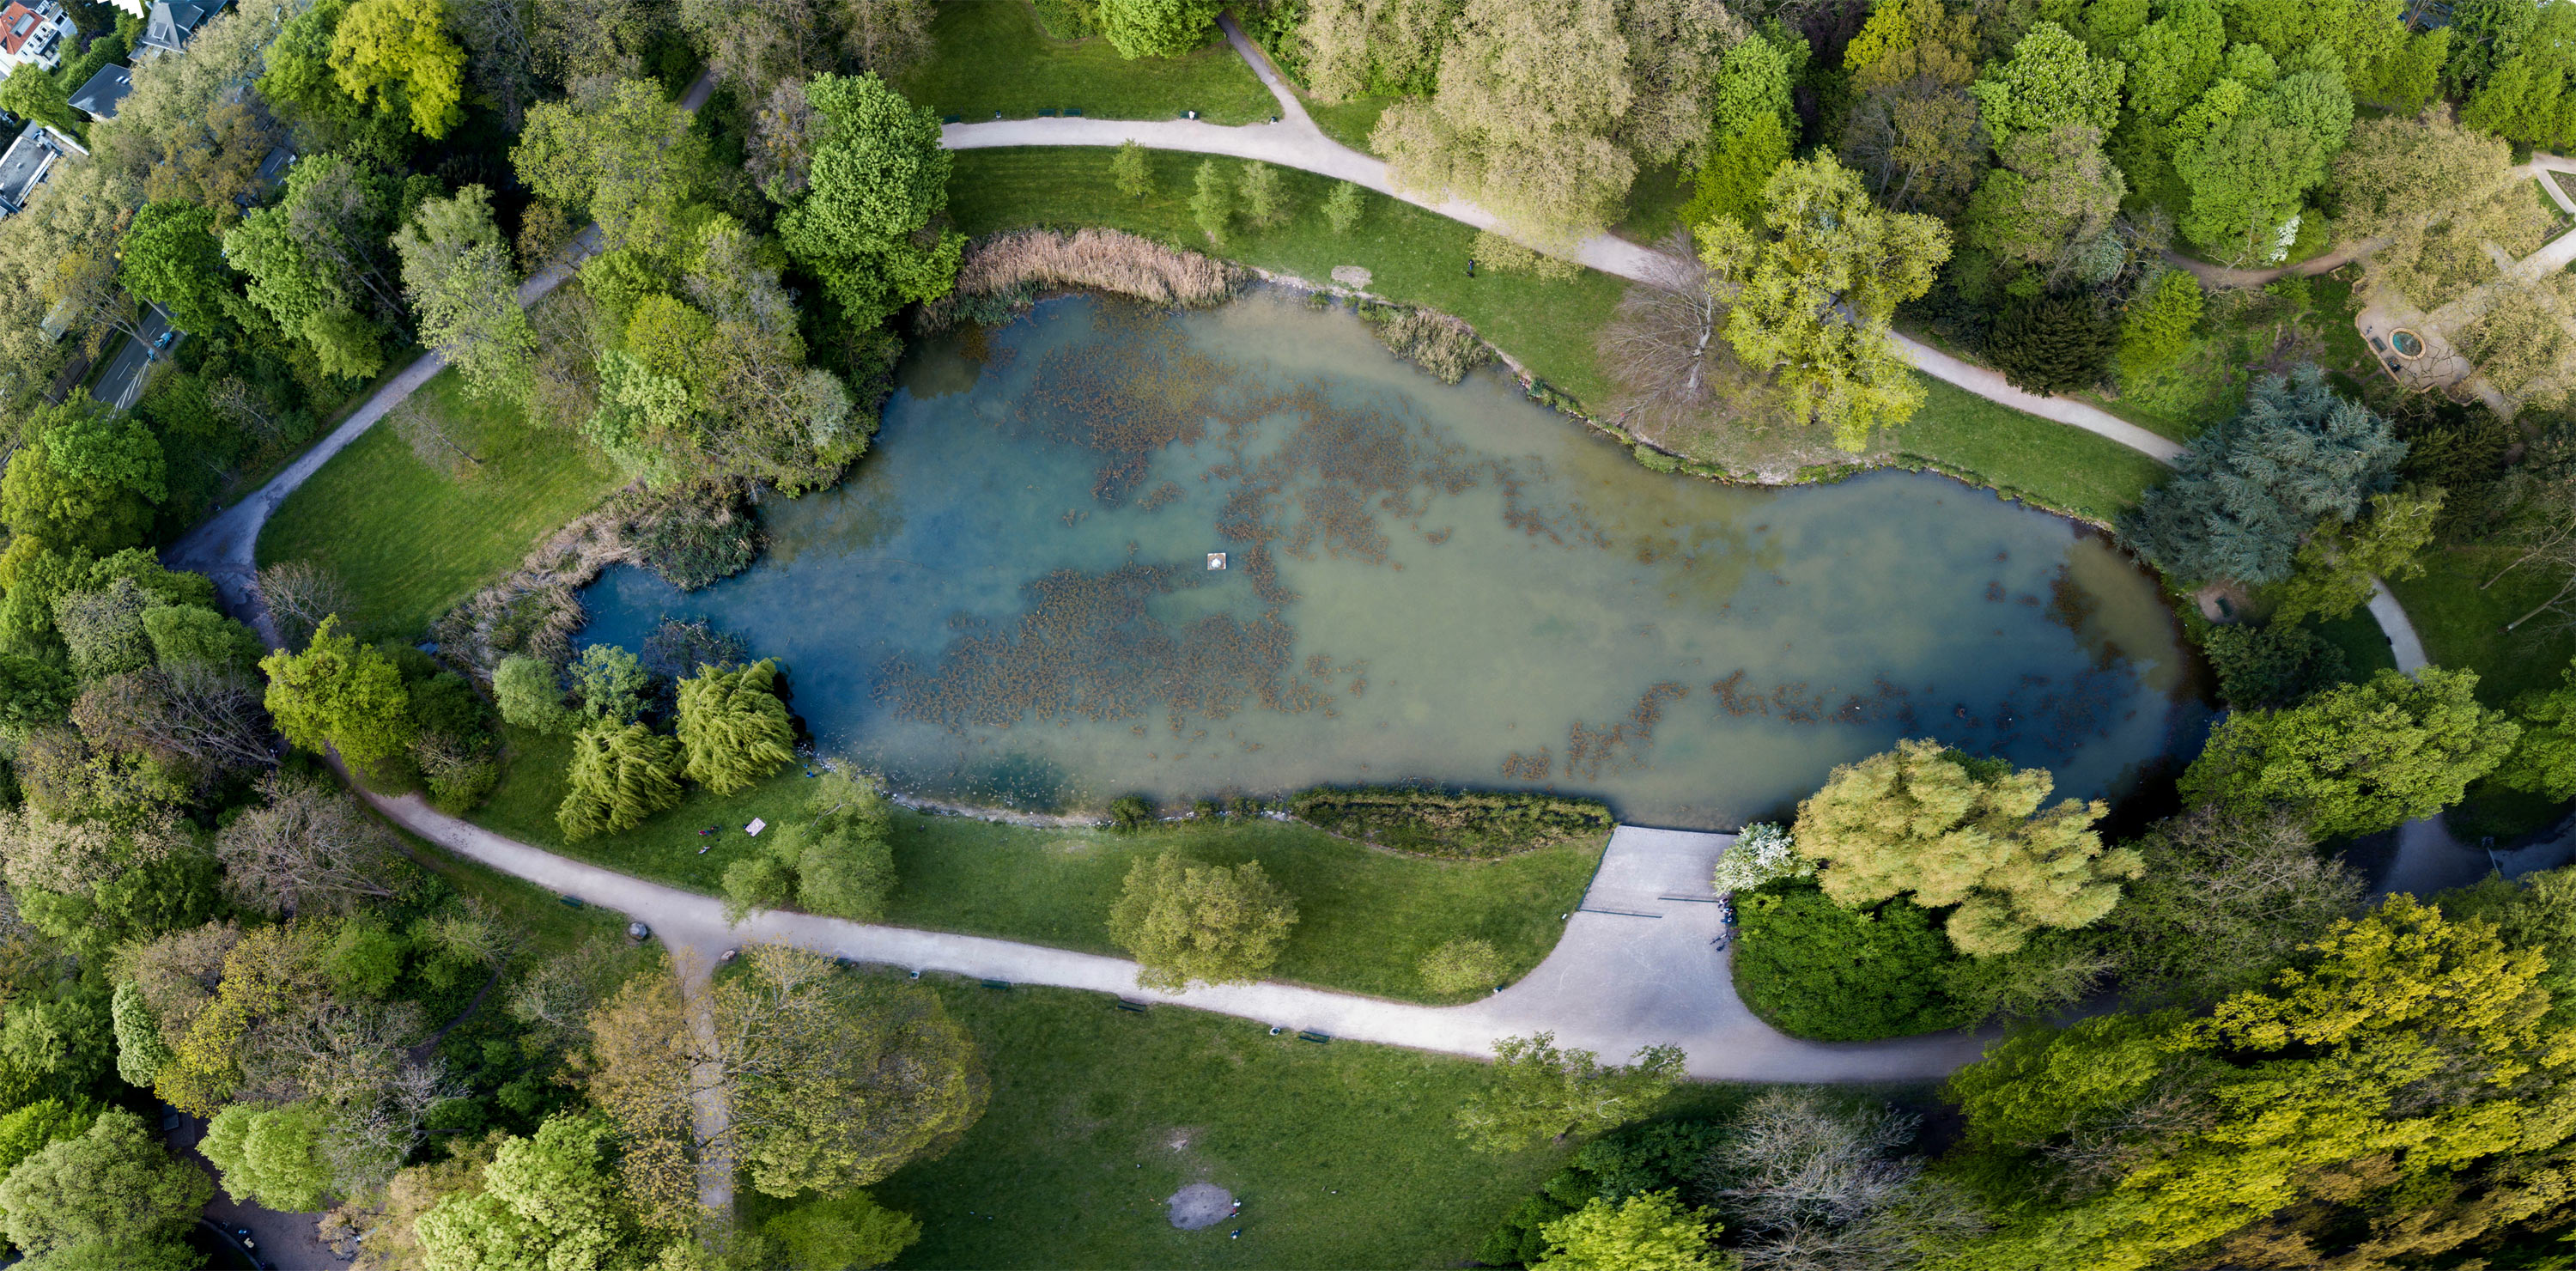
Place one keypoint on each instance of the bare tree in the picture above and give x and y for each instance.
(433, 438)
(306, 848)
(209, 716)
(299, 595)
(885, 36)
(1814, 1183)
(1662, 339)
(243, 407)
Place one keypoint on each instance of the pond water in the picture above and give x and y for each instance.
(1009, 602)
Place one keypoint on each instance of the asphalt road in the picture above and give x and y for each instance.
(123, 380)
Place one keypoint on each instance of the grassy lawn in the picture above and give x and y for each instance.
(1342, 1154)
(411, 539)
(1414, 255)
(1366, 917)
(1655, 204)
(1349, 122)
(993, 56)
(2023, 455)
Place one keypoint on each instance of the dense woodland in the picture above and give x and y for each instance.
(2216, 1049)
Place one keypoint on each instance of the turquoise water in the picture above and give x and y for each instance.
(1009, 600)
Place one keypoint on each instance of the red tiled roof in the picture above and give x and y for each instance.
(10, 39)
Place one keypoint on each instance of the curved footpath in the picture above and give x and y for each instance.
(1638, 964)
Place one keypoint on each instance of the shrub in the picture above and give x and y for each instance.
(2281, 664)
(1435, 342)
(2157, 331)
(696, 536)
(1211, 924)
(1342, 207)
(2057, 344)
(530, 696)
(1462, 966)
(1761, 853)
(1468, 824)
(1502, 255)
(1813, 969)
(733, 726)
(1265, 203)
(1211, 206)
(1654, 460)
(1131, 812)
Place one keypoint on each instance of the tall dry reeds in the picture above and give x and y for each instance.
(1102, 259)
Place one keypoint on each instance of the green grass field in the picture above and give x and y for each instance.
(1343, 1154)
(1349, 122)
(1413, 255)
(412, 540)
(1366, 917)
(2049, 463)
(993, 56)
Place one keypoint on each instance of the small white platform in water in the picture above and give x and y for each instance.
(1216, 560)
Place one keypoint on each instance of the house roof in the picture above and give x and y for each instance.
(98, 96)
(23, 167)
(18, 24)
(170, 25)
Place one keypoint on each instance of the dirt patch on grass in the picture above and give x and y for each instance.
(1200, 1206)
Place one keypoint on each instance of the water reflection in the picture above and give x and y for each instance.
(1008, 601)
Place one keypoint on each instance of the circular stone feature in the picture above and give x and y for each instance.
(2407, 343)
(1200, 1205)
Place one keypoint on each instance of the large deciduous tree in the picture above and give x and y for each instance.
(1813, 291)
(85, 479)
(1213, 924)
(308, 849)
(1649, 1230)
(2224, 900)
(171, 258)
(733, 727)
(341, 694)
(464, 292)
(2359, 758)
(110, 1198)
(1951, 831)
(2544, 758)
(1157, 28)
(2049, 82)
(617, 150)
(871, 222)
(399, 53)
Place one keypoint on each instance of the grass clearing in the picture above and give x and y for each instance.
(1349, 121)
(2024, 456)
(994, 57)
(412, 540)
(1365, 917)
(1343, 1154)
(1413, 255)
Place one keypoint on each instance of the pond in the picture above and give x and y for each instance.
(1010, 603)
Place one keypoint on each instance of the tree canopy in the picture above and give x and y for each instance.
(1212, 924)
(2357, 758)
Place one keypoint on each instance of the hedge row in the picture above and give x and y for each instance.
(1469, 825)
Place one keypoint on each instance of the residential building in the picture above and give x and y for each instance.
(28, 161)
(35, 34)
(98, 96)
(169, 26)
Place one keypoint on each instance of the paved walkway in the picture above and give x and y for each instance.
(1635, 967)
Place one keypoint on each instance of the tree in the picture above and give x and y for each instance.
(33, 693)
(269, 1156)
(1919, 143)
(2544, 758)
(195, 636)
(1374, 46)
(835, 1081)
(340, 694)
(111, 1197)
(1812, 968)
(2356, 759)
(2278, 664)
(1462, 966)
(2245, 492)
(2225, 899)
(831, 1233)
(85, 479)
(529, 695)
(140, 1052)
(2249, 165)
(758, 47)
(2158, 329)
(36, 95)
(1650, 1231)
(837, 859)
(170, 257)
(39, 1125)
(733, 726)
(2055, 197)
(547, 1200)
(1545, 111)
(1128, 170)
(1342, 207)
(299, 597)
(464, 290)
(618, 778)
(885, 36)
(616, 150)
(2050, 82)
(1156, 28)
(1739, 167)
(317, 261)
(879, 181)
(612, 684)
(1535, 1091)
(1814, 292)
(2339, 568)
(1265, 203)
(399, 53)
(2055, 344)
(307, 849)
(1211, 204)
(1213, 925)
(1951, 831)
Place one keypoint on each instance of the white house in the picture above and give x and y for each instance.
(35, 35)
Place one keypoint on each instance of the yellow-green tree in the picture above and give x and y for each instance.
(398, 52)
(1949, 830)
(733, 727)
(1182, 922)
(618, 777)
(1813, 289)
(340, 694)
(1650, 1231)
